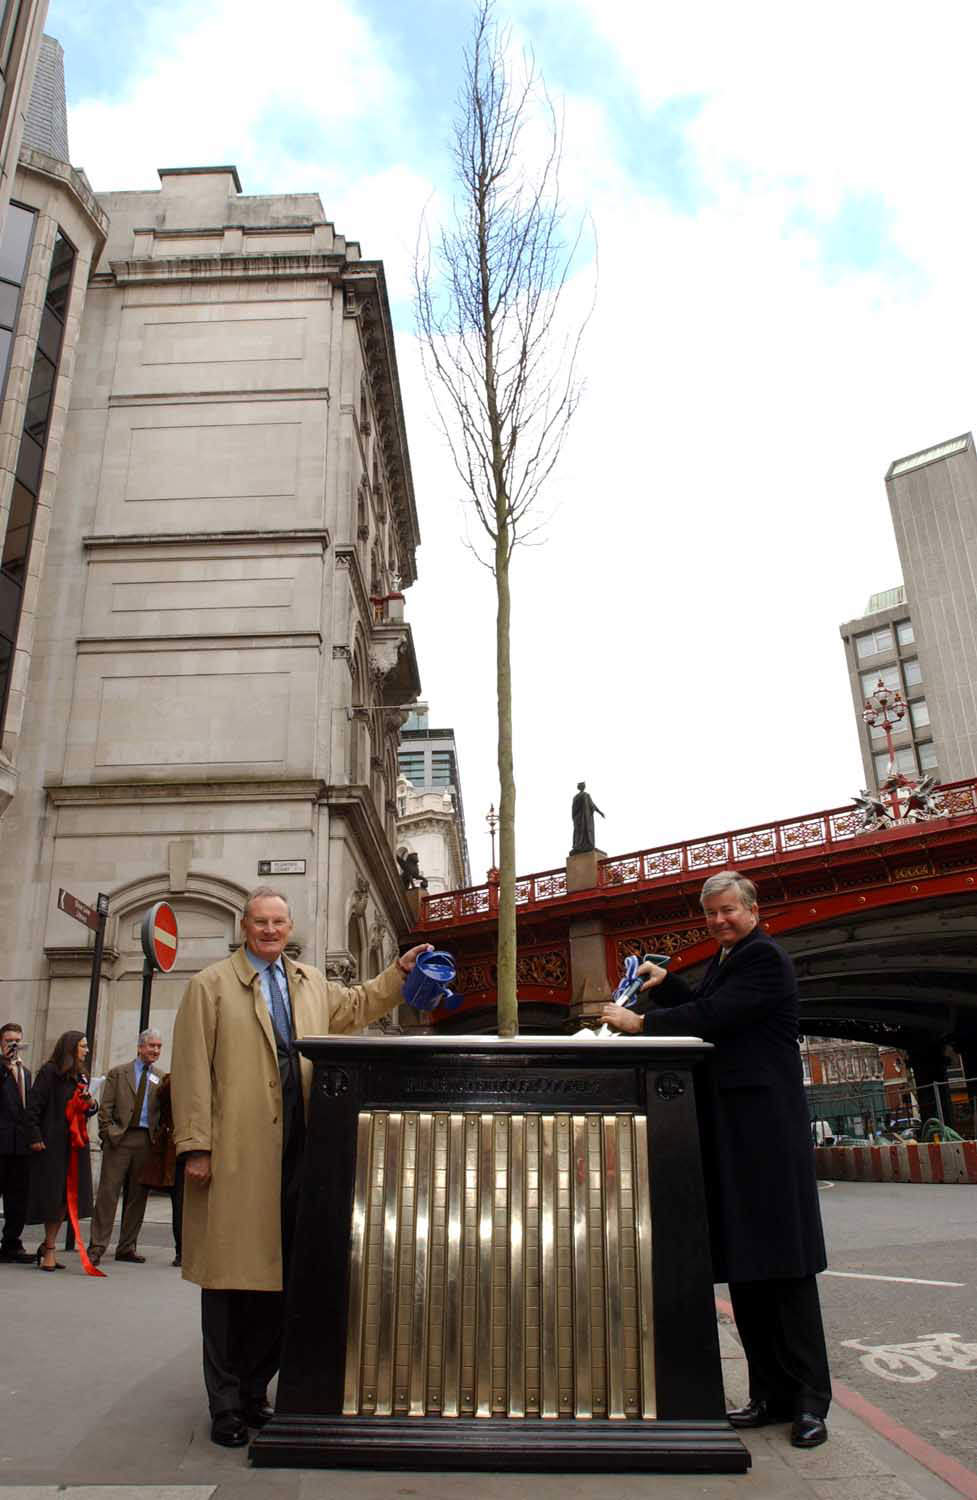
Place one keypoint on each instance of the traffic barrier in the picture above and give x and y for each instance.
(904, 1161)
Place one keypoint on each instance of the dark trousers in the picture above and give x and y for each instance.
(176, 1204)
(779, 1324)
(243, 1330)
(13, 1187)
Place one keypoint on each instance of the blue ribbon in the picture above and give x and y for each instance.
(629, 984)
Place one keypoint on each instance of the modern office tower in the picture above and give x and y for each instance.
(431, 812)
(921, 637)
(933, 498)
(219, 663)
(882, 644)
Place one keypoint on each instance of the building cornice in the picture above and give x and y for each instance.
(96, 794)
(94, 645)
(75, 184)
(225, 266)
(156, 539)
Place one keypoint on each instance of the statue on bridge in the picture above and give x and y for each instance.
(410, 869)
(583, 811)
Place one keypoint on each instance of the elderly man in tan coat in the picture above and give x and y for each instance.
(240, 1093)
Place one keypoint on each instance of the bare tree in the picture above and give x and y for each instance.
(499, 355)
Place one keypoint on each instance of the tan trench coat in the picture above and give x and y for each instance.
(227, 1100)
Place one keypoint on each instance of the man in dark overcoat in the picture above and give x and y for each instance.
(15, 1083)
(758, 1160)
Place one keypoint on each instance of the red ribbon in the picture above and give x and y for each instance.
(76, 1113)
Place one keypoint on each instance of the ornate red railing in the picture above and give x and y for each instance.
(822, 830)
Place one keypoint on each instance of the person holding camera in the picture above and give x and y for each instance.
(15, 1083)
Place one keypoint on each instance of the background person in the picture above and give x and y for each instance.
(240, 1092)
(15, 1083)
(757, 1157)
(123, 1128)
(47, 1134)
(164, 1169)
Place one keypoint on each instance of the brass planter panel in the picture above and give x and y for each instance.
(500, 1265)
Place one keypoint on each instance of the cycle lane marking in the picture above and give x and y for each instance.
(950, 1470)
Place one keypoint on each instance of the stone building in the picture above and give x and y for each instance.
(219, 659)
(921, 637)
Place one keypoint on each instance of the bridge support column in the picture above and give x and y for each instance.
(588, 972)
(928, 1062)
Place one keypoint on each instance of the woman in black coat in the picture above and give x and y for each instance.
(47, 1134)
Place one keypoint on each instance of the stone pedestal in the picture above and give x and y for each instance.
(588, 970)
(502, 1262)
(582, 870)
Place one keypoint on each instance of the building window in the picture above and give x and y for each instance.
(15, 248)
(905, 632)
(905, 760)
(927, 756)
(30, 458)
(889, 676)
(874, 641)
(920, 713)
(912, 673)
(412, 766)
(442, 768)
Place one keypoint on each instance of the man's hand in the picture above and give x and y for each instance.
(622, 1019)
(38, 1146)
(198, 1167)
(407, 960)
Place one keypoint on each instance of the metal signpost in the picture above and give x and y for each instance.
(93, 917)
(159, 943)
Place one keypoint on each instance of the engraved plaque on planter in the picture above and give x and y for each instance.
(502, 1262)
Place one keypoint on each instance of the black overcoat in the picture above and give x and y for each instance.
(758, 1159)
(13, 1118)
(46, 1121)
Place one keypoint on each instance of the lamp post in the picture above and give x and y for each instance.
(885, 709)
(492, 819)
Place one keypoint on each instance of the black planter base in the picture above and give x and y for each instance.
(436, 1443)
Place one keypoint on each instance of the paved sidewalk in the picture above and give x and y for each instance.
(102, 1398)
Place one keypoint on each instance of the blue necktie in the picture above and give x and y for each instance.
(279, 1009)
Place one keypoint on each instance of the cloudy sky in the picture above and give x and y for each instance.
(783, 202)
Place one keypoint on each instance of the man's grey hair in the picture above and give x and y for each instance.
(722, 882)
(261, 891)
(150, 1035)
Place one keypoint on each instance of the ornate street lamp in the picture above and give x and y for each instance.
(885, 709)
(492, 819)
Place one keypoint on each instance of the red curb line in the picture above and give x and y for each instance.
(959, 1478)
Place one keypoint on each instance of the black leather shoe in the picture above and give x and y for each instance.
(16, 1257)
(808, 1430)
(259, 1414)
(132, 1258)
(755, 1413)
(229, 1430)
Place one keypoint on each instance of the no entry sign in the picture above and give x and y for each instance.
(159, 936)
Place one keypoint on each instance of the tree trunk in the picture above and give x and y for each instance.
(508, 1004)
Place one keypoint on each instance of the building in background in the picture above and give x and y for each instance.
(430, 809)
(921, 637)
(53, 234)
(21, 29)
(882, 644)
(208, 517)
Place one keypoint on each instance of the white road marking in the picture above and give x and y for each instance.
(911, 1363)
(908, 1280)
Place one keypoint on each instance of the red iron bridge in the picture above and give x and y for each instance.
(882, 926)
